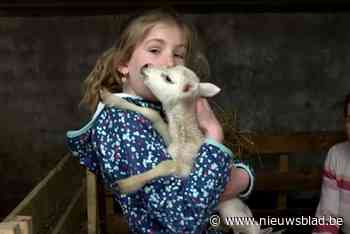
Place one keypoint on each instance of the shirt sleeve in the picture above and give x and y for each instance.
(238, 163)
(81, 146)
(329, 200)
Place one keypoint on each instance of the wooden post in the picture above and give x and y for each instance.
(92, 207)
(282, 196)
(25, 224)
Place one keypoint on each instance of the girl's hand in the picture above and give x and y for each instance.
(207, 121)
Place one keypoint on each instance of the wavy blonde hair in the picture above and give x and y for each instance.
(105, 73)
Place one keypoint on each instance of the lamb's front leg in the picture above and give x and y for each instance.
(157, 121)
(134, 183)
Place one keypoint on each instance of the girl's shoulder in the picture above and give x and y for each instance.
(340, 150)
(117, 118)
(338, 157)
(127, 117)
(341, 147)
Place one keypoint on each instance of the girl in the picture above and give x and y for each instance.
(116, 143)
(335, 193)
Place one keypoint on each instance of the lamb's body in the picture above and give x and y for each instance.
(183, 136)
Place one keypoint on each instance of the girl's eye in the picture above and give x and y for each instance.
(181, 56)
(154, 51)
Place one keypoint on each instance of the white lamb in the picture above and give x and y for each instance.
(177, 89)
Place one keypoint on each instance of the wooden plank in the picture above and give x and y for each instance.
(282, 196)
(10, 228)
(76, 7)
(109, 205)
(288, 181)
(92, 203)
(291, 143)
(50, 197)
(102, 208)
(74, 215)
(111, 3)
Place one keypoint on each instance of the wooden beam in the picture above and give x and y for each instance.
(291, 143)
(288, 181)
(103, 7)
(74, 215)
(92, 203)
(283, 168)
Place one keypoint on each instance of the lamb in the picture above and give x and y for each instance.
(177, 88)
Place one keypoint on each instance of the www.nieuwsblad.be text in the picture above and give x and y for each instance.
(216, 220)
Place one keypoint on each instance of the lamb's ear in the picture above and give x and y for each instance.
(208, 89)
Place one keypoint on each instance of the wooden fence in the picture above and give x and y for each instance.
(57, 204)
(284, 179)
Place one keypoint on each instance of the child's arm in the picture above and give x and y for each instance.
(241, 179)
(185, 205)
(239, 182)
(329, 200)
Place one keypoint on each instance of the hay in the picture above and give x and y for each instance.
(236, 139)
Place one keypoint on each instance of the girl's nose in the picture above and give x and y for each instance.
(168, 61)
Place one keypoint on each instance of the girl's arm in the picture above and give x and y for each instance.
(184, 205)
(241, 179)
(239, 183)
(329, 200)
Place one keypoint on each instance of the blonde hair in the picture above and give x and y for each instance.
(105, 73)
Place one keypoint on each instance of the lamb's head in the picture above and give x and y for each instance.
(179, 83)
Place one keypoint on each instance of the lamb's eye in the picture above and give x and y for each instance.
(167, 78)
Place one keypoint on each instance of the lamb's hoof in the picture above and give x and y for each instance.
(104, 94)
(107, 97)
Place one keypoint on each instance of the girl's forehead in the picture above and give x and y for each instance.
(167, 32)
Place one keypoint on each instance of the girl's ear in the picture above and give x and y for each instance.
(120, 66)
(208, 89)
(123, 69)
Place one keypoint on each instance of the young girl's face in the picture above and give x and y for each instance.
(164, 45)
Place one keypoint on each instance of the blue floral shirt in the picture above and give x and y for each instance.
(118, 143)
